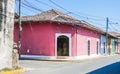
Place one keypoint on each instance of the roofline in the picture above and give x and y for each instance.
(77, 24)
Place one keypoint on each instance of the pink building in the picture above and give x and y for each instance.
(53, 34)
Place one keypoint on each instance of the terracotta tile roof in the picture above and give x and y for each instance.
(92, 27)
(56, 16)
(16, 15)
(51, 15)
(115, 34)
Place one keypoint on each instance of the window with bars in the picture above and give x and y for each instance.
(97, 45)
(88, 47)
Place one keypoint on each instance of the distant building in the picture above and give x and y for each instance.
(103, 44)
(53, 34)
(114, 43)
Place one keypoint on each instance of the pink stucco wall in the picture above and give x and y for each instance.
(83, 35)
(39, 38)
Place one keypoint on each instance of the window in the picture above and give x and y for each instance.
(88, 47)
(104, 48)
(97, 47)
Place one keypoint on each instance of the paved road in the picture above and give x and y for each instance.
(103, 65)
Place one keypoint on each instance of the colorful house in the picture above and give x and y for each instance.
(114, 42)
(118, 46)
(111, 44)
(53, 34)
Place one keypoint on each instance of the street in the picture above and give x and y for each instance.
(102, 65)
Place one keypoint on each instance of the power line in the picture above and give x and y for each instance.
(35, 6)
(102, 18)
(69, 12)
(101, 25)
(44, 3)
(59, 6)
(28, 10)
(113, 28)
(88, 18)
(29, 6)
(16, 6)
(32, 7)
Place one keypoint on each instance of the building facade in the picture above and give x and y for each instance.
(53, 35)
(114, 43)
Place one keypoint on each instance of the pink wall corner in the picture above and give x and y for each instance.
(37, 38)
(82, 39)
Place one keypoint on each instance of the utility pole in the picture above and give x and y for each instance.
(20, 28)
(107, 25)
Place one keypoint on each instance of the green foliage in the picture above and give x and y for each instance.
(6, 69)
(10, 69)
(17, 68)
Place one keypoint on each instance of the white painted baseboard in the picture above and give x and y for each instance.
(56, 58)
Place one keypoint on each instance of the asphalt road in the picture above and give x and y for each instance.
(102, 65)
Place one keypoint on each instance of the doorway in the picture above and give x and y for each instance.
(63, 44)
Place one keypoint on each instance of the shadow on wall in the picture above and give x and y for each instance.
(109, 69)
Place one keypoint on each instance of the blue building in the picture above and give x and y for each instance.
(103, 44)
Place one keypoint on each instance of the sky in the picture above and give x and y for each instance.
(92, 11)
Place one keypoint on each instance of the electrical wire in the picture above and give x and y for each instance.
(44, 3)
(70, 12)
(32, 7)
(59, 6)
(29, 6)
(27, 10)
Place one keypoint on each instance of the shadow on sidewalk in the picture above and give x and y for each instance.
(109, 69)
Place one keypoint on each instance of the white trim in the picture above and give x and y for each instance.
(89, 39)
(65, 34)
(86, 56)
(97, 40)
(82, 57)
(37, 57)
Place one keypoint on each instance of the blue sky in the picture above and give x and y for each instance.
(92, 11)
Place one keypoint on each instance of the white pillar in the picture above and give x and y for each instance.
(6, 46)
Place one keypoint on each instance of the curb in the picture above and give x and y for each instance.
(13, 72)
(69, 60)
